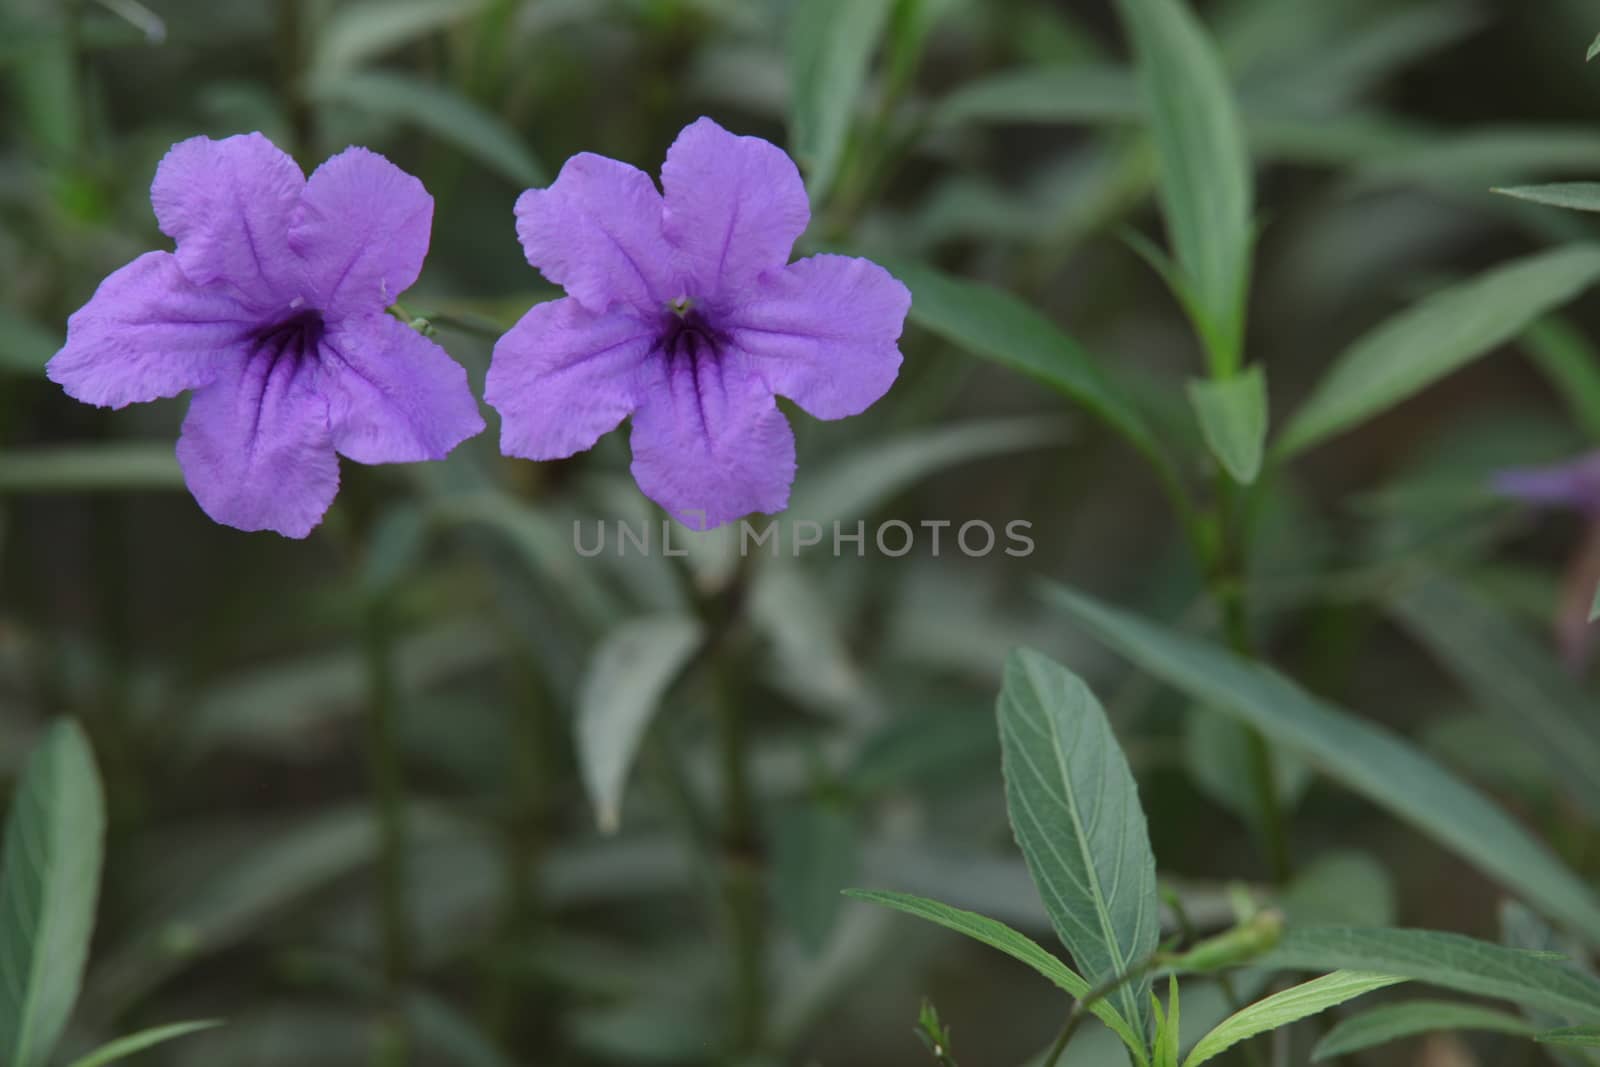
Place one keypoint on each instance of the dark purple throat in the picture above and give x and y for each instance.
(688, 335)
(296, 336)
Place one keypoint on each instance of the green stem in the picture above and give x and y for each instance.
(388, 800)
(291, 30)
(742, 889)
(1081, 1007)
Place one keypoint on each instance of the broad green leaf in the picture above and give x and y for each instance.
(1075, 811)
(128, 465)
(359, 31)
(1521, 929)
(123, 1047)
(1092, 93)
(1440, 335)
(1450, 961)
(1570, 360)
(49, 883)
(1233, 418)
(443, 112)
(998, 935)
(1579, 196)
(25, 346)
(1281, 1009)
(1367, 758)
(1509, 674)
(1206, 182)
(815, 856)
(831, 43)
(995, 325)
(622, 689)
(1572, 1037)
(1395, 1021)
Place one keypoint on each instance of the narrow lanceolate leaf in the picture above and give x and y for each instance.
(1281, 1009)
(130, 465)
(622, 689)
(446, 114)
(1594, 49)
(360, 31)
(1571, 362)
(1578, 196)
(1510, 675)
(1081, 92)
(815, 853)
(1440, 335)
(1392, 1022)
(1206, 186)
(1233, 418)
(49, 882)
(124, 1047)
(1076, 815)
(1449, 961)
(995, 325)
(998, 935)
(1366, 758)
(831, 43)
(1572, 1037)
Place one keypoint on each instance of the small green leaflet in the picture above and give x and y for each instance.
(998, 935)
(49, 884)
(1168, 1026)
(1281, 1009)
(622, 689)
(123, 1047)
(1233, 418)
(1579, 196)
(1443, 333)
(1395, 1021)
(1075, 811)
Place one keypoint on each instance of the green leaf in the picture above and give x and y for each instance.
(831, 43)
(1206, 180)
(1571, 362)
(1395, 1021)
(1572, 1037)
(1076, 815)
(1168, 1027)
(1216, 751)
(443, 112)
(123, 1047)
(1450, 961)
(1511, 675)
(1443, 333)
(1594, 50)
(1091, 93)
(49, 883)
(815, 857)
(1281, 1009)
(1579, 196)
(1233, 418)
(995, 325)
(1367, 758)
(621, 691)
(359, 31)
(1594, 608)
(129, 465)
(998, 935)
(25, 346)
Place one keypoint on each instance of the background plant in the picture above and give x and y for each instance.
(353, 785)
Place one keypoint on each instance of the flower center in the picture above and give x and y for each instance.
(687, 334)
(295, 336)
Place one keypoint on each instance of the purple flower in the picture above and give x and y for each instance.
(684, 312)
(272, 310)
(1574, 484)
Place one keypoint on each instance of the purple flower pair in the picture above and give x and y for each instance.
(682, 312)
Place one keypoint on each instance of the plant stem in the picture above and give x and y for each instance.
(742, 889)
(388, 800)
(291, 31)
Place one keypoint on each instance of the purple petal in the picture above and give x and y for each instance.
(362, 227)
(1574, 484)
(393, 395)
(227, 203)
(734, 206)
(710, 445)
(256, 449)
(597, 233)
(148, 332)
(823, 332)
(563, 376)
